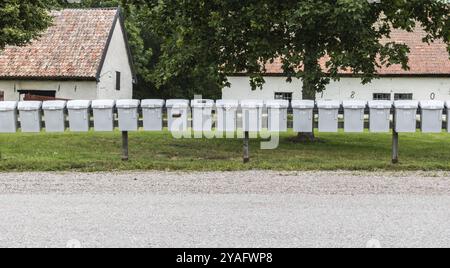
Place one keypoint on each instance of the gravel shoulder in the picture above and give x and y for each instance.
(248, 182)
(225, 209)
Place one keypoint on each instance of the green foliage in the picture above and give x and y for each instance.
(223, 37)
(22, 20)
(186, 47)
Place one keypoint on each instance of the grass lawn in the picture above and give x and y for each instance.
(159, 151)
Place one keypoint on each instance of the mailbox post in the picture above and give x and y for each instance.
(226, 115)
(8, 116)
(79, 115)
(328, 115)
(354, 115)
(303, 115)
(128, 114)
(277, 115)
(431, 116)
(152, 112)
(103, 115)
(30, 116)
(380, 116)
(406, 116)
(54, 116)
(252, 115)
(202, 114)
(177, 113)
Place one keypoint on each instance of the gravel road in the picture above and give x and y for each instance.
(229, 209)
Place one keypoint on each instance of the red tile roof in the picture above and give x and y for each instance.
(424, 59)
(72, 48)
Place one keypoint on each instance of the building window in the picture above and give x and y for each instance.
(118, 78)
(283, 96)
(381, 96)
(403, 96)
(2, 96)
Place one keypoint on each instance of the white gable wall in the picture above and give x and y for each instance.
(348, 88)
(116, 60)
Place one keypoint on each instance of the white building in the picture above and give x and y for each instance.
(428, 78)
(84, 55)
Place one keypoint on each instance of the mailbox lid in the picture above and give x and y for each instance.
(406, 104)
(202, 103)
(328, 104)
(152, 103)
(432, 105)
(29, 105)
(103, 104)
(127, 104)
(354, 104)
(8, 105)
(227, 104)
(177, 103)
(303, 104)
(380, 104)
(252, 104)
(54, 105)
(78, 104)
(280, 104)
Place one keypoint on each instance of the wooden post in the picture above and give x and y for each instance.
(125, 146)
(246, 147)
(395, 148)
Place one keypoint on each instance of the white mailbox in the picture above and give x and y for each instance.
(277, 115)
(406, 116)
(303, 115)
(30, 116)
(152, 112)
(79, 116)
(447, 104)
(252, 115)
(227, 115)
(177, 113)
(431, 116)
(54, 116)
(354, 115)
(328, 115)
(202, 114)
(128, 114)
(380, 116)
(103, 115)
(8, 116)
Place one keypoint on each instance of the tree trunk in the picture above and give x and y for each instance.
(309, 88)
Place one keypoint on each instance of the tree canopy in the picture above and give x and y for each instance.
(222, 37)
(22, 20)
(187, 47)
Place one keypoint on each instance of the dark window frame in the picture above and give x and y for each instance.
(403, 96)
(284, 96)
(118, 81)
(382, 96)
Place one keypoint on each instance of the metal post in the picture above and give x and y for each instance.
(246, 147)
(125, 146)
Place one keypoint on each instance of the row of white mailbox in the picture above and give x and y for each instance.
(30, 115)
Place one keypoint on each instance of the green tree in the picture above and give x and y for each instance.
(223, 37)
(22, 20)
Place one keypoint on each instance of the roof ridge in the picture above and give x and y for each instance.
(89, 8)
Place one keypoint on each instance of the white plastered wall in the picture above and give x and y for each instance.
(347, 88)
